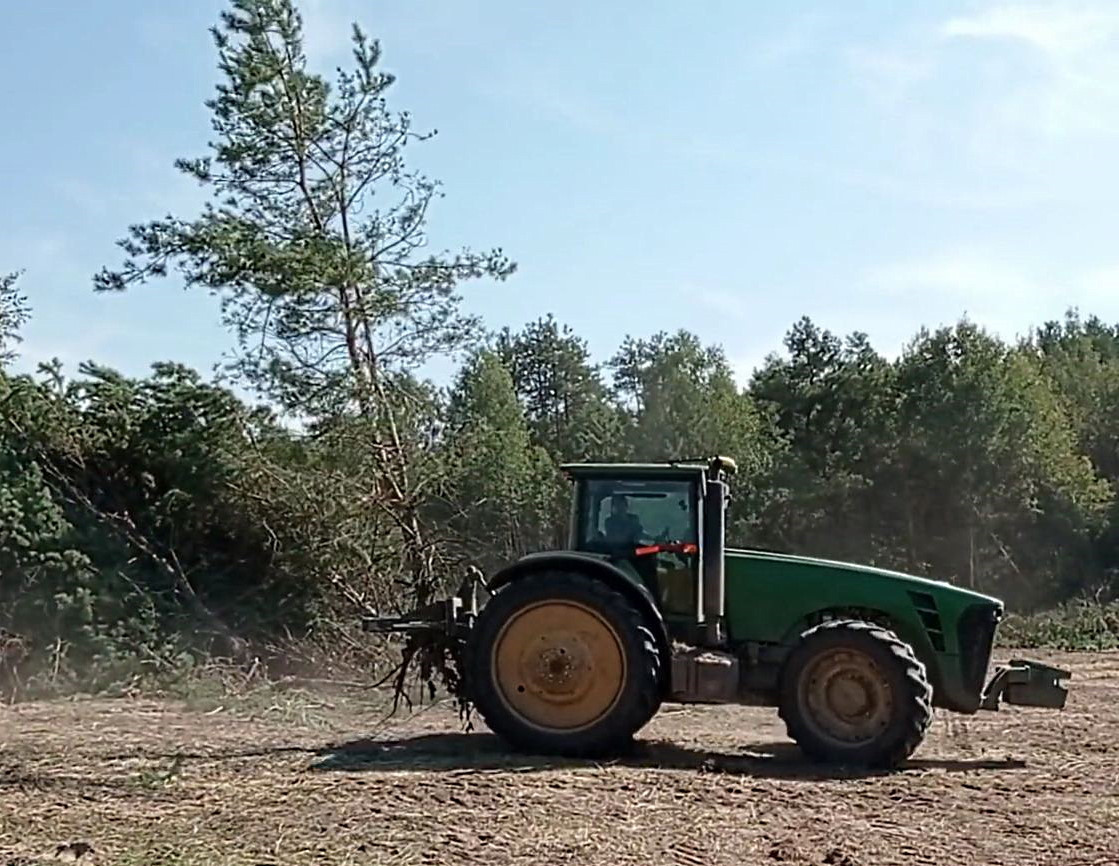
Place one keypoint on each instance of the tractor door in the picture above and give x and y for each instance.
(653, 525)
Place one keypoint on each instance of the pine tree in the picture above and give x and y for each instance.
(13, 315)
(500, 481)
(314, 240)
(567, 405)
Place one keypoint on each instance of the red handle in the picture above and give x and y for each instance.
(674, 547)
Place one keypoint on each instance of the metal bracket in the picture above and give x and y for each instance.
(1028, 684)
(447, 616)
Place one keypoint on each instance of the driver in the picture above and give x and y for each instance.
(623, 528)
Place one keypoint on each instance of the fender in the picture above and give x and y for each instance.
(603, 569)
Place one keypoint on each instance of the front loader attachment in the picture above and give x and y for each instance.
(1028, 684)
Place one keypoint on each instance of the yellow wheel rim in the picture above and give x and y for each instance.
(846, 697)
(559, 665)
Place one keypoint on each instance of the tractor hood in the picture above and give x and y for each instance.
(771, 595)
(857, 571)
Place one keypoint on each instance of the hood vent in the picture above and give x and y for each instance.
(930, 618)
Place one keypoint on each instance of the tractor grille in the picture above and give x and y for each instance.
(976, 630)
(930, 618)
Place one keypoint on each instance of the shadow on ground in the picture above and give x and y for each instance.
(464, 753)
(481, 752)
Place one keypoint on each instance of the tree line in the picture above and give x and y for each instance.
(147, 522)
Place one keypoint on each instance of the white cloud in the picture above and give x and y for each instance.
(1102, 284)
(1075, 89)
(797, 38)
(958, 273)
(328, 29)
(1003, 291)
(726, 304)
(888, 74)
(549, 93)
(744, 366)
(1014, 103)
(1058, 30)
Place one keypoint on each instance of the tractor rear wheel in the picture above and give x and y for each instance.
(559, 663)
(853, 692)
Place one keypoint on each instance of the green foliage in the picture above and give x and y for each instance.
(996, 493)
(958, 460)
(73, 588)
(1081, 359)
(315, 240)
(146, 524)
(833, 404)
(315, 235)
(13, 315)
(499, 481)
(570, 412)
(1074, 625)
(569, 409)
(681, 401)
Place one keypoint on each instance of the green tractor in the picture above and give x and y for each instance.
(573, 651)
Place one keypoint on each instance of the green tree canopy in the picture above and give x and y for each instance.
(315, 235)
(992, 489)
(13, 315)
(500, 483)
(569, 409)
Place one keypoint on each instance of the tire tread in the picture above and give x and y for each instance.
(918, 697)
(611, 734)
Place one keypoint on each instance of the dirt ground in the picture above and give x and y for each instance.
(300, 781)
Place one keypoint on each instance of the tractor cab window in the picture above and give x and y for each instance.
(627, 517)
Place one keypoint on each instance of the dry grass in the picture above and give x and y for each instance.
(312, 779)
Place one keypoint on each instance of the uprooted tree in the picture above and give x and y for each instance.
(314, 240)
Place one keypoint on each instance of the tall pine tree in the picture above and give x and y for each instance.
(315, 241)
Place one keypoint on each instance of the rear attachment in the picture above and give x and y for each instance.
(435, 635)
(452, 617)
(1027, 684)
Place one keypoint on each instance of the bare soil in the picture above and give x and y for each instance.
(321, 780)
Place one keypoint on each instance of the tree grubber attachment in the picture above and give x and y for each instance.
(435, 635)
(1028, 684)
(453, 616)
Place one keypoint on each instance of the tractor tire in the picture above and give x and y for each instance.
(659, 675)
(560, 664)
(854, 693)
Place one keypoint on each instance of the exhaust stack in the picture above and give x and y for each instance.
(714, 552)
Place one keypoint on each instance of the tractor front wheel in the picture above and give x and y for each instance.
(854, 693)
(559, 663)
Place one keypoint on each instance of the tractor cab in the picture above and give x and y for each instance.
(663, 522)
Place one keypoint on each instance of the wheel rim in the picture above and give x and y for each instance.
(559, 666)
(846, 698)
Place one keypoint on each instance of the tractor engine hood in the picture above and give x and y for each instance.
(859, 571)
(767, 589)
(952, 629)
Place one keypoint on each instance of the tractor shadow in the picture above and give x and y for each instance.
(463, 754)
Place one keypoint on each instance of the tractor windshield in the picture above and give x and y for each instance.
(629, 517)
(617, 514)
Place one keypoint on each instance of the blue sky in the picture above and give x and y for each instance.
(725, 167)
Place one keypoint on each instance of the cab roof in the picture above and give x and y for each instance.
(614, 470)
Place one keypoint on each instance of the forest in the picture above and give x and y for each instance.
(150, 524)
